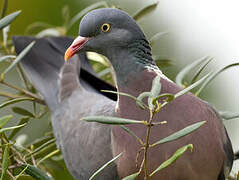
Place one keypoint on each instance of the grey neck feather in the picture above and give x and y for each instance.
(131, 60)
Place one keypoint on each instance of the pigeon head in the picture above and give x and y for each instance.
(104, 29)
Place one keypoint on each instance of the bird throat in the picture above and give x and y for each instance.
(131, 60)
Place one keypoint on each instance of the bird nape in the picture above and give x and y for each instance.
(88, 146)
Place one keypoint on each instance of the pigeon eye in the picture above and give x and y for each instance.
(105, 27)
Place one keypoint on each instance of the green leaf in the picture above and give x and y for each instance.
(189, 88)
(181, 75)
(46, 144)
(140, 98)
(78, 16)
(23, 120)
(162, 62)
(104, 72)
(97, 58)
(43, 152)
(19, 57)
(111, 120)
(155, 91)
(156, 37)
(138, 102)
(4, 8)
(229, 115)
(37, 26)
(131, 133)
(8, 19)
(145, 10)
(4, 120)
(57, 151)
(179, 134)
(21, 173)
(65, 14)
(40, 141)
(169, 97)
(215, 74)
(156, 86)
(5, 161)
(104, 166)
(6, 57)
(132, 176)
(49, 32)
(10, 128)
(173, 158)
(13, 101)
(35, 172)
(22, 111)
(204, 64)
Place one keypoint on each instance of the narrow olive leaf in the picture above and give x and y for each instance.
(173, 158)
(163, 62)
(132, 176)
(229, 115)
(138, 102)
(8, 19)
(111, 120)
(35, 172)
(169, 97)
(189, 88)
(43, 152)
(19, 57)
(22, 111)
(4, 8)
(155, 90)
(36, 26)
(21, 173)
(41, 147)
(13, 101)
(7, 57)
(65, 14)
(4, 120)
(131, 133)
(156, 37)
(156, 86)
(48, 32)
(10, 128)
(57, 151)
(215, 74)
(179, 134)
(97, 58)
(5, 161)
(104, 72)
(104, 166)
(23, 120)
(78, 16)
(145, 10)
(181, 75)
(204, 64)
(140, 98)
(40, 141)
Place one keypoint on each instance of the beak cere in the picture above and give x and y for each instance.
(77, 44)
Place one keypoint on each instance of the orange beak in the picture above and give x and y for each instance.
(77, 44)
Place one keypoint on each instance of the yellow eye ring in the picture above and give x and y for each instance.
(105, 27)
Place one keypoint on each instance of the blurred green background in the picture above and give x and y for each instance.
(191, 33)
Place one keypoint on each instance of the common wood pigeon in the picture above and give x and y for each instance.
(87, 146)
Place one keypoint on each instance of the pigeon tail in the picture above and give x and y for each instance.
(42, 64)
